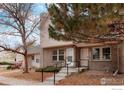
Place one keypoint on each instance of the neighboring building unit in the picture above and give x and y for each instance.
(33, 57)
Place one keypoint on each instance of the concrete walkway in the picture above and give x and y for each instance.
(59, 76)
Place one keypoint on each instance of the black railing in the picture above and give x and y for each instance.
(67, 65)
(78, 64)
(42, 74)
(56, 65)
(54, 77)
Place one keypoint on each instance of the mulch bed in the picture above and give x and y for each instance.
(92, 78)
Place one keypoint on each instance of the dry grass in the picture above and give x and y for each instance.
(92, 78)
(31, 76)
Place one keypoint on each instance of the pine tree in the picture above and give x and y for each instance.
(84, 22)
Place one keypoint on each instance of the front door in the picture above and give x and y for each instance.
(70, 56)
(84, 56)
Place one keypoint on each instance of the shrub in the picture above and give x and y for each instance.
(38, 70)
(9, 67)
(5, 63)
(14, 66)
(48, 69)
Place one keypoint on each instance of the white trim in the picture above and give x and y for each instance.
(57, 55)
(101, 54)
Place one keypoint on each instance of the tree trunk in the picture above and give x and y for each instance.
(26, 62)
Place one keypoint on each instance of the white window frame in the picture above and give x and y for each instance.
(32, 57)
(101, 54)
(55, 55)
(58, 55)
(37, 60)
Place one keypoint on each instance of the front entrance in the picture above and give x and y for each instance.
(70, 56)
(84, 57)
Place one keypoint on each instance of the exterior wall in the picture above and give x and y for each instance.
(105, 65)
(47, 55)
(7, 56)
(46, 41)
(19, 58)
(33, 63)
(29, 61)
(121, 56)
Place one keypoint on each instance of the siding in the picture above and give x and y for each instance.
(46, 41)
(33, 63)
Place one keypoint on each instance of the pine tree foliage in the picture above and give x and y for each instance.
(84, 22)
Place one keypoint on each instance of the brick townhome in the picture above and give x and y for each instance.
(97, 56)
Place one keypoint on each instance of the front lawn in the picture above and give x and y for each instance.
(32, 76)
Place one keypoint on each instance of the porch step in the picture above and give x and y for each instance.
(69, 70)
(57, 78)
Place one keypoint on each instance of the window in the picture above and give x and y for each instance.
(101, 54)
(37, 60)
(106, 53)
(96, 53)
(58, 55)
(55, 55)
(32, 57)
(61, 55)
(69, 58)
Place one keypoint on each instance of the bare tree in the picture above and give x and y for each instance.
(20, 24)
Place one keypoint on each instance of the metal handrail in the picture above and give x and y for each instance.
(55, 65)
(78, 65)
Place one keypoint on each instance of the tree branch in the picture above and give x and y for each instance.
(10, 49)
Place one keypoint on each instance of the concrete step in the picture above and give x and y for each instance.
(47, 83)
(61, 74)
(70, 71)
(51, 80)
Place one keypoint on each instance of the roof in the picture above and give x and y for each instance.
(96, 44)
(34, 50)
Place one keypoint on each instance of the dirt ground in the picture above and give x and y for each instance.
(31, 76)
(93, 78)
(3, 70)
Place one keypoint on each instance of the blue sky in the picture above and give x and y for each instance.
(39, 8)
